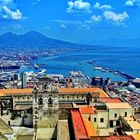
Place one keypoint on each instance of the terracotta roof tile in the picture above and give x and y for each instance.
(89, 128)
(83, 90)
(5, 92)
(87, 110)
(78, 125)
(112, 138)
(110, 100)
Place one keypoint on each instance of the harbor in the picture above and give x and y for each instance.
(69, 70)
(107, 70)
(75, 61)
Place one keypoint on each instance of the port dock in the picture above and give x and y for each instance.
(116, 72)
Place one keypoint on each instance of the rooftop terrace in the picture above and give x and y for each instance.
(118, 105)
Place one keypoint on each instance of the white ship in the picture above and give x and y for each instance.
(36, 66)
(42, 71)
(98, 68)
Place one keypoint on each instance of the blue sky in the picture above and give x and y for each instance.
(82, 21)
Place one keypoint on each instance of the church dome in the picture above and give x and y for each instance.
(131, 87)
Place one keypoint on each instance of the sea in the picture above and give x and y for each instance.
(124, 59)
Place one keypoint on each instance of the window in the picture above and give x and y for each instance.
(111, 124)
(101, 119)
(118, 123)
(125, 114)
(94, 119)
(115, 115)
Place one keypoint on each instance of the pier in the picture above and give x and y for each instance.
(127, 76)
(116, 72)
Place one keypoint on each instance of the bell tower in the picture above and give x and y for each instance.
(45, 109)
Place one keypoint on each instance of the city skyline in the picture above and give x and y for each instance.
(69, 69)
(89, 20)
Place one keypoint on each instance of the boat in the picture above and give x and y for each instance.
(103, 70)
(42, 71)
(36, 66)
(98, 68)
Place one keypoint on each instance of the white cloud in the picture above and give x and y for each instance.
(116, 17)
(132, 3)
(63, 26)
(84, 26)
(8, 10)
(129, 3)
(35, 2)
(98, 6)
(79, 6)
(96, 18)
(11, 14)
(93, 21)
(67, 22)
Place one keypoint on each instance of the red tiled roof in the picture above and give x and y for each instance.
(89, 128)
(5, 92)
(87, 110)
(78, 125)
(110, 100)
(112, 138)
(121, 138)
(82, 91)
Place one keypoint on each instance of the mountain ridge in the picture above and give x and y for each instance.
(38, 40)
(33, 39)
